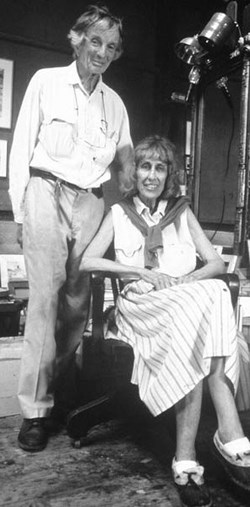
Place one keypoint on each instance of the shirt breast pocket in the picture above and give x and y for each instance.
(129, 251)
(58, 134)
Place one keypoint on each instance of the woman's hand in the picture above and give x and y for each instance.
(159, 280)
(187, 279)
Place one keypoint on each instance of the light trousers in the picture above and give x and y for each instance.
(59, 224)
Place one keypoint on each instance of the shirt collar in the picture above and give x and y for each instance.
(141, 207)
(74, 79)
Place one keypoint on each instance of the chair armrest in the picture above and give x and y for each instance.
(233, 282)
(98, 291)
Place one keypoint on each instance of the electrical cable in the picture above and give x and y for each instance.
(230, 104)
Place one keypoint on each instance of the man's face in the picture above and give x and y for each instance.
(99, 47)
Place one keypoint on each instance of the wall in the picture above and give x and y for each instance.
(220, 152)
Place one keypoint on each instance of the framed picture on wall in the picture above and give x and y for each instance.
(6, 82)
(12, 269)
(3, 158)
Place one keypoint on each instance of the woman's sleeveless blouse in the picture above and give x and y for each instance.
(178, 256)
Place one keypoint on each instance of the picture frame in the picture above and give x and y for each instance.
(6, 85)
(3, 158)
(12, 269)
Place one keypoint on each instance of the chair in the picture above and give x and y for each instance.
(104, 379)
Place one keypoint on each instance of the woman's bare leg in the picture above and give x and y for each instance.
(187, 420)
(229, 425)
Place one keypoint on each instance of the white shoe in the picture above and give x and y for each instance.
(235, 459)
(189, 480)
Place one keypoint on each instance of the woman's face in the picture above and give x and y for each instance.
(151, 175)
(98, 48)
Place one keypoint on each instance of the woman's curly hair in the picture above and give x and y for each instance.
(164, 150)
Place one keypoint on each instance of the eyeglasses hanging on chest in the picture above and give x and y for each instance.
(95, 126)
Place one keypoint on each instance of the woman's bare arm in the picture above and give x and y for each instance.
(213, 264)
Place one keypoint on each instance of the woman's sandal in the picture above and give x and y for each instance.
(189, 481)
(235, 460)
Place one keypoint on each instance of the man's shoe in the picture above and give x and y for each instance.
(235, 460)
(33, 436)
(189, 481)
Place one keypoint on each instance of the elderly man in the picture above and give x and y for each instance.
(70, 128)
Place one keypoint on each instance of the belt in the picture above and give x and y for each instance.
(98, 192)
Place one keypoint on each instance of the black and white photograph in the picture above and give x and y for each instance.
(124, 253)
(6, 76)
(3, 158)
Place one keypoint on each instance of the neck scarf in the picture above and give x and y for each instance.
(153, 234)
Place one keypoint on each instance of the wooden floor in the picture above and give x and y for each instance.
(122, 465)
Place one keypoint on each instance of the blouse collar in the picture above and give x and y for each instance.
(141, 207)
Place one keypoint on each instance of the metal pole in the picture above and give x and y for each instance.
(196, 146)
(247, 189)
(242, 195)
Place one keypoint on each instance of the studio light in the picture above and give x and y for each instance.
(190, 51)
(221, 35)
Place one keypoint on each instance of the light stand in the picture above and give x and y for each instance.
(242, 218)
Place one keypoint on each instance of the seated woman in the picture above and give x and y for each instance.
(179, 321)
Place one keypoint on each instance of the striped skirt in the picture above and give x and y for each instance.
(174, 333)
